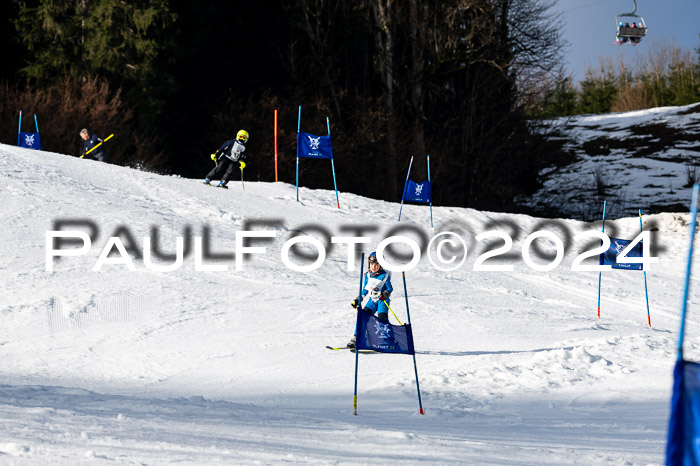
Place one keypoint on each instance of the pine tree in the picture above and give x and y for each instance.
(559, 99)
(53, 32)
(129, 43)
(597, 92)
(132, 45)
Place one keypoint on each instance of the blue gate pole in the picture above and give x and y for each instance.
(646, 293)
(404, 187)
(19, 130)
(359, 309)
(298, 129)
(328, 123)
(36, 123)
(415, 367)
(693, 224)
(431, 194)
(600, 272)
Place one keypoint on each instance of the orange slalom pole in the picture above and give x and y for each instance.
(276, 179)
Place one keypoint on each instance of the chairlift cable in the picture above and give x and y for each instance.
(584, 6)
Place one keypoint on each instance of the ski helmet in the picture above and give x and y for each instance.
(372, 258)
(242, 136)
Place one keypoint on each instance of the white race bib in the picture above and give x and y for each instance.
(374, 286)
(236, 151)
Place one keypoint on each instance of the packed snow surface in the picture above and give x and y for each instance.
(139, 366)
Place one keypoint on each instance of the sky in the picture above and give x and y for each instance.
(590, 26)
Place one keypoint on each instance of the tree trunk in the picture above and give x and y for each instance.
(385, 45)
(417, 64)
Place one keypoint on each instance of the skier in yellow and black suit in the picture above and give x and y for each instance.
(229, 153)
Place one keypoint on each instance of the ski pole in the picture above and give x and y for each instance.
(98, 145)
(242, 167)
(357, 326)
(392, 312)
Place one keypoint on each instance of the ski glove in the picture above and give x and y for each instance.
(385, 295)
(355, 303)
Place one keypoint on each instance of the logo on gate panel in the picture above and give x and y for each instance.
(314, 142)
(383, 330)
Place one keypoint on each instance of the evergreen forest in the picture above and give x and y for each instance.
(458, 80)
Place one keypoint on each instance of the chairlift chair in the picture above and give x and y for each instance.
(630, 27)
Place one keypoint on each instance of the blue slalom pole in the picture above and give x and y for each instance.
(36, 123)
(693, 224)
(297, 178)
(19, 130)
(599, 273)
(646, 293)
(404, 187)
(328, 123)
(357, 324)
(298, 130)
(431, 194)
(415, 367)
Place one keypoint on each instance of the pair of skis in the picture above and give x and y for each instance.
(352, 350)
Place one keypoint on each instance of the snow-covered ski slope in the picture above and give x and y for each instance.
(643, 159)
(197, 367)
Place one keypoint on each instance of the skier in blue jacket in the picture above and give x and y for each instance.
(377, 287)
(227, 155)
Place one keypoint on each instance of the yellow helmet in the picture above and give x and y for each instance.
(242, 136)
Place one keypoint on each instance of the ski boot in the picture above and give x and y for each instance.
(207, 181)
(222, 185)
(352, 342)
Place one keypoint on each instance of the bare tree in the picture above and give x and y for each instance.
(382, 13)
(316, 19)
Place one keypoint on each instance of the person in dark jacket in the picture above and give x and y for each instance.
(90, 141)
(226, 157)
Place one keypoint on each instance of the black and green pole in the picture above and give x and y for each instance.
(415, 366)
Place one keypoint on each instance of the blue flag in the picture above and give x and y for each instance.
(373, 334)
(609, 257)
(30, 141)
(414, 192)
(683, 446)
(314, 147)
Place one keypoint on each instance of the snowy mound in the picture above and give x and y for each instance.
(644, 159)
(135, 365)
